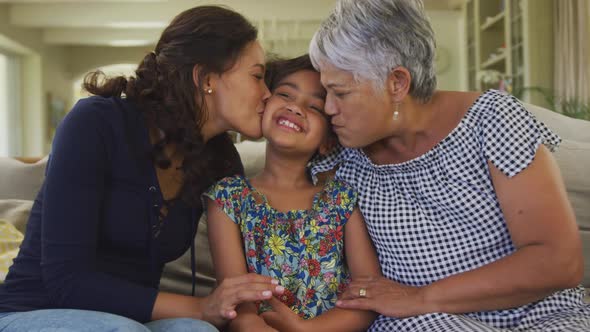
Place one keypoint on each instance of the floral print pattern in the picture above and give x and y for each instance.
(303, 249)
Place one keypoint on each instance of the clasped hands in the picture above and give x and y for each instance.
(378, 294)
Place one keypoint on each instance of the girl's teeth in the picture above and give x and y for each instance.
(289, 124)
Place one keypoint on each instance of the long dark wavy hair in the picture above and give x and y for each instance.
(210, 37)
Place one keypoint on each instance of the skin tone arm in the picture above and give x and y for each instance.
(541, 224)
(362, 262)
(229, 261)
(220, 306)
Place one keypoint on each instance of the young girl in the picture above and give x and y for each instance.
(280, 224)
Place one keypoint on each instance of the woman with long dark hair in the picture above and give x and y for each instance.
(123, 185)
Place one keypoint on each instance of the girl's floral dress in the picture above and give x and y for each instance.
(303, 249)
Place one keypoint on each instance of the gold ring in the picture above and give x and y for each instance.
(363, 292)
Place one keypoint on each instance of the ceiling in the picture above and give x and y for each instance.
(139, 22)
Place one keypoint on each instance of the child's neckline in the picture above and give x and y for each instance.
(293, 212)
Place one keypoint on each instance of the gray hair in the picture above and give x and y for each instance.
(369, 38)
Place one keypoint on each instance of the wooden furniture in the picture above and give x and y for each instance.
(513, 38)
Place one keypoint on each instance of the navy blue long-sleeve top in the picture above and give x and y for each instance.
(90, 241)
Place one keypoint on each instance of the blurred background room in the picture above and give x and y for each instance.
(535, 49)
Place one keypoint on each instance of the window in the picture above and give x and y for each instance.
(10, 126)
(4, 136)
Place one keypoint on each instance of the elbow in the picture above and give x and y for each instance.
(575, 272)
(569, 271)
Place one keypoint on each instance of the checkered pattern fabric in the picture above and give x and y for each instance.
(437, 215)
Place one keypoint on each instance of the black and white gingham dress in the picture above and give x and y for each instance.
(437, 215)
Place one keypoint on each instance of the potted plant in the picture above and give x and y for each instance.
(573, 107)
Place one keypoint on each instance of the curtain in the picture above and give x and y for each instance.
(572, 51)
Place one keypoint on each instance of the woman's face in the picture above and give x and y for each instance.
(239, 94)
(294, 118)
(360, 115)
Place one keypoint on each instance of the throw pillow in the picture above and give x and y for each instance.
(16, 212)
(19, 180)
(10, 240)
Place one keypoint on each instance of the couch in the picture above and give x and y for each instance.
(20, 181)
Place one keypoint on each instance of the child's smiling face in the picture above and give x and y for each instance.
(294, 117)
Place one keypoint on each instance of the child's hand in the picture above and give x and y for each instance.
(282, 317)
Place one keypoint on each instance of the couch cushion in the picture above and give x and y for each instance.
(19, 180)
(573, 159)
(566, 127)
(176, 277)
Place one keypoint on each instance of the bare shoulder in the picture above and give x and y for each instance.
(453, 105)
(459, 99)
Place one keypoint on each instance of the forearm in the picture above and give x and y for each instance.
(77, 286)
(170, 305)
(247, 318)
(510, 282)
(338, 319)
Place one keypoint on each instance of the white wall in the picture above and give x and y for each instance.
(448, 26)
(84, 59)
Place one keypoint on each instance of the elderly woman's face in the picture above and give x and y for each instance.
(360, 115)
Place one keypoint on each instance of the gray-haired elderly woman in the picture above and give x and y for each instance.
(462, 198)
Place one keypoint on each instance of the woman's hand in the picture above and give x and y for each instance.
(220, 305)
(384, 296)
(282, 318)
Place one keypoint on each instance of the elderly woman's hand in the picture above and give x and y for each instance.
(384, 296)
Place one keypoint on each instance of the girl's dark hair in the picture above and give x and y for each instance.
(277, 69)
(209, 37)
